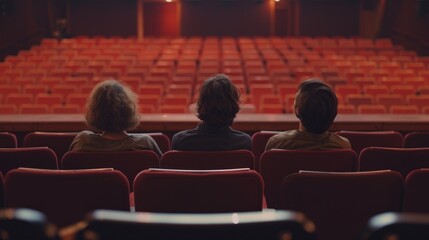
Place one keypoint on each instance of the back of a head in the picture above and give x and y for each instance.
(112, 107)
(218, 101)
(316, 105)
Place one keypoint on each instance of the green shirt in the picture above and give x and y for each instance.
(87, 141)
(303, 140)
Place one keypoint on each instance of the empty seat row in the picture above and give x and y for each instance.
(65, 196)
(345, 201)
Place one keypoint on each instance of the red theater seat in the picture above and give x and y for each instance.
(203, 191)
(130, 163)
(416, 196)
(206, 160)
(8, 140)
(275, 165)
(402, 160)
(340, 204)
(362, 139)
(66, 196)
(32, 157)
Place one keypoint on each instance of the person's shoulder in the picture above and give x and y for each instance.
(286, 135)
(86, 134)
(341, 141)
(185, 133)
(141, 138)
(280, 139)
(240, 133)
(82, 139)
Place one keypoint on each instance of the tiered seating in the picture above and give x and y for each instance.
(66, 196)
(203, 191)
(341, 203)
(259, 66)
(208, 190)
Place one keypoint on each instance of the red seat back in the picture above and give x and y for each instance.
(416, 196)
(34, 157)
(340, 204)
(206, 160)
(8, 140)
(403, 160)
(361, 139)
(130, 163)
(278, 164)
(66, 196)
(209, 191)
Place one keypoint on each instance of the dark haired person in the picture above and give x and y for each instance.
(112, 111)
(217, 106)
(316, 107)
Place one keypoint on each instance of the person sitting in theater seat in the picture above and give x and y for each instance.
(316, 107)
(111, 112)
(217, 106)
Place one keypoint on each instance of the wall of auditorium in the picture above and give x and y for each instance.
(328, 17)
(22, 24)
(230, 18)
(412, 27)
(103, 17)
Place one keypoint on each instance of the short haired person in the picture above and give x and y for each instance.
(217, 106)
(316, 107)
(111, 112)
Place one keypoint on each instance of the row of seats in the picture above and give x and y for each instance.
(59, 142)
(269, 225)
(74, 66)
(44, 103)
(345, 201)
(110, 224)
(273, 166)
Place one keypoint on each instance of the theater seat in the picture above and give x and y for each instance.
(277, 164)
(198, 191)
(130, 163)
(66, 196)
(29, 157)
(8, 140)
(403, 160)
(24, 223)
(362, 139)
(268, 225)
(340, 204)
(206, 160)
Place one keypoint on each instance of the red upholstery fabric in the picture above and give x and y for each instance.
(340, 204)
(130, 163)
(1, 191)
(403, 160)
(205, 160)
(278, 164)
(8, 140)
(34, 157)
(57, 141)
(66, 196)
(416, 139)
(162, 140)
(416, 195)
(211, 191)
(361, 140)
(259, 141)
